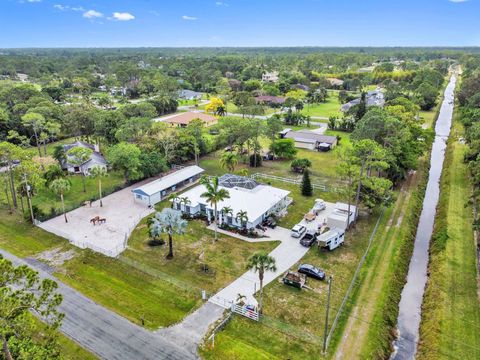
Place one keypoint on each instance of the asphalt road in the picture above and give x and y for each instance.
(105, 333)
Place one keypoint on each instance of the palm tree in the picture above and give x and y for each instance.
(172, 198)
(227, 210)
(214, 195)
(243, 172)
(168, 221)
(184, 200)
(60, 187)
(221, 110)
(261, 262)
(98, 172)
(78, 156)
(229, 161)
(242, 218)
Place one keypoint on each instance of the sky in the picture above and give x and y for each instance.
(198, 23)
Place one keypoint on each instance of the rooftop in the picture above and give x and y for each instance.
(169, 180)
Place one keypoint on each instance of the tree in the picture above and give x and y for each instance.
(229, 161)
(348, 171)
(169, 221)
(60, 187)
(59, 154)
(284, 148)
(300, 165)
(37, 123)
(273, 127)
(428, 96)
(242, 218)
(31, 176)
(98, 172)
(126, 158)
(214, 105)
(261, 262)
(306, 185)
(214, 194)
(53, 172)
(21, 294)
(78, 156)
(9, 153)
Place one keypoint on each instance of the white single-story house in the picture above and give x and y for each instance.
(258, 201)
(189, 95)
(96, 159)
(155, 191)
(373, 98)
(306, 139)
(339, 217)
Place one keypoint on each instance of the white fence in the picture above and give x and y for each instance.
(255, 176)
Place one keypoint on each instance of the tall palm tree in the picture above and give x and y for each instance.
(172, 198)
(261, 262)
(214, 195)
(98, 172)
(60, 187)
(242, 218)
(168, 221)
(229, 161)
(78, 156)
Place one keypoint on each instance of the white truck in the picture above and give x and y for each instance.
(331, 239)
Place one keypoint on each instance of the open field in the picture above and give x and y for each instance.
(293, 322)
(451, 311)
(330, 108)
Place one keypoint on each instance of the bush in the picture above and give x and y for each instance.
(299, 165)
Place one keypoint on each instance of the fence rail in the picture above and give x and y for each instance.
(293, 181)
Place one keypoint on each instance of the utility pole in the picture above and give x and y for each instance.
(330, 279)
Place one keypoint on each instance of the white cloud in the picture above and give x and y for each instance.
(68, 8)
(92, 14)
(186, 17)
(123, 16)
(458, 1)
(33, 1)
(221, 3)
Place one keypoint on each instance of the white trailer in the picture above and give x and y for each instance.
(331, 239)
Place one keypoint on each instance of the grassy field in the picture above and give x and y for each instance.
(293, 322)
(451, 311)
(330, 108)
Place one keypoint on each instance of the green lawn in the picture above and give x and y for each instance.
(293, 322)
(451, 311)
(327, 109)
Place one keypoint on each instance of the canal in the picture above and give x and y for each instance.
(409, 316)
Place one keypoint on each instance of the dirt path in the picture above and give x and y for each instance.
(353, 338)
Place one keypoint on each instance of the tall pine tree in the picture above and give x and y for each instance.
(306, 185)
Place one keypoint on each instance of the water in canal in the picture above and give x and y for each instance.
(409, 316)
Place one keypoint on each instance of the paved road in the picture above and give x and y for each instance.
(105, 333)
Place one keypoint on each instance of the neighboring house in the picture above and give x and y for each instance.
(183, 119)
(257, 200)
(300, 87)
(339, 217)
(373, 98)
(102, 88)
(156, 191)
(270, 76)
(96, 159)
(22, 77)
(121, 91)
(270, 100)
(310, 140)
(189, 95)
(336, 83)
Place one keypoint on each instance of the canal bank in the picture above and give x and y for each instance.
(409, 315)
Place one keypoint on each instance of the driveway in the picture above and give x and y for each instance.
(119, 209)
(106, 334)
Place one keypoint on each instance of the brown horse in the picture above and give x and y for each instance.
(95, 220)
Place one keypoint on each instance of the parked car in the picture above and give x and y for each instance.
(320, 205)
(298, 231)
(270, 222)
(309, 238)
(311, 271)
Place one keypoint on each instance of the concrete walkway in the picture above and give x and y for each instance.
(104, 333)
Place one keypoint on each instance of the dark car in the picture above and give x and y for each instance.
(311, 271)
(309, 238)
(270, 222)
